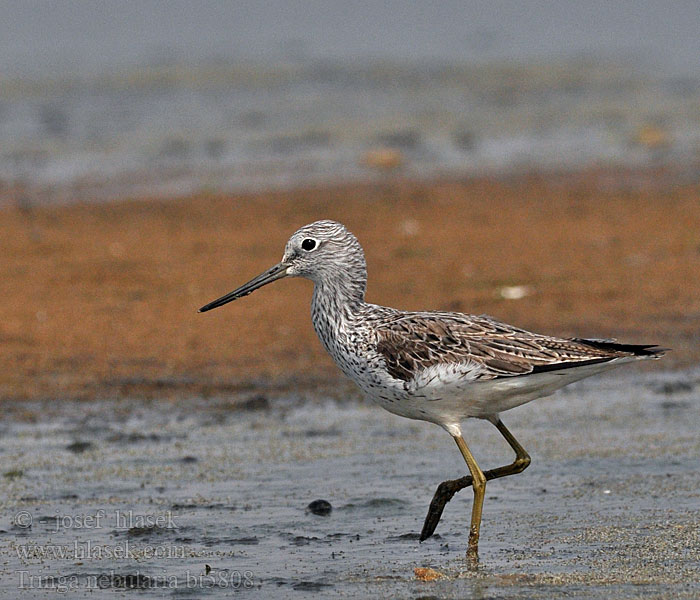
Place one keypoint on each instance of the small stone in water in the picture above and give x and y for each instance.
(427, 574)
(79, 447)
(320, 507)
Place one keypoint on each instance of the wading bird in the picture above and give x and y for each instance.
(441, 367)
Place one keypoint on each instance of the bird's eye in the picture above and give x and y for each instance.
(308, 244)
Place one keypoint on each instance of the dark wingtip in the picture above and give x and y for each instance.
(652, 351)
(648, 350)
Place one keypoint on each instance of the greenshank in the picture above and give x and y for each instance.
(441, 367)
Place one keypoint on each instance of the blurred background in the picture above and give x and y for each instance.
(103, 98)
(535, 161)
(538, 161)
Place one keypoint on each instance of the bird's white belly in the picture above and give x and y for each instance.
(451, 404)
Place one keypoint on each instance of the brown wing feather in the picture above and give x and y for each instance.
(416, 341)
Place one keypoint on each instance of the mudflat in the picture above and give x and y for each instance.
(150, 447)
(193, 496)
(100, 299)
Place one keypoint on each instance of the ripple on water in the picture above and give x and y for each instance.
(375, 505)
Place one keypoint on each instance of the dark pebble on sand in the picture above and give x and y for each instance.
(320, 507)
(674, 387)
(134, 437)
(79, 447)
(145, 530)
(255, 403)
(310, 586)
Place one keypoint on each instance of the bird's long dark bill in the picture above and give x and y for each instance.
(273, 274)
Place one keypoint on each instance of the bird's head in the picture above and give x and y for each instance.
(323, 251)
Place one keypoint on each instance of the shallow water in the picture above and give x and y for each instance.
(187, 498)
(179, 129)
(177, 97)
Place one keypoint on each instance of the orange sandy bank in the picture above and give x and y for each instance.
(102, 299)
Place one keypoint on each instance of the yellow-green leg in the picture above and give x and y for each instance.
(479, 486)
(522, 458)
(449, 488)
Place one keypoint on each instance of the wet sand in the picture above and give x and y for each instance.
(147, 446)
(100, 300)
(190, 497)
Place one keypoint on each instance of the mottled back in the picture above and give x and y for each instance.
(412, 342)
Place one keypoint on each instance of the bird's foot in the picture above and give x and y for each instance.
(473, 556)
(443, 494)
